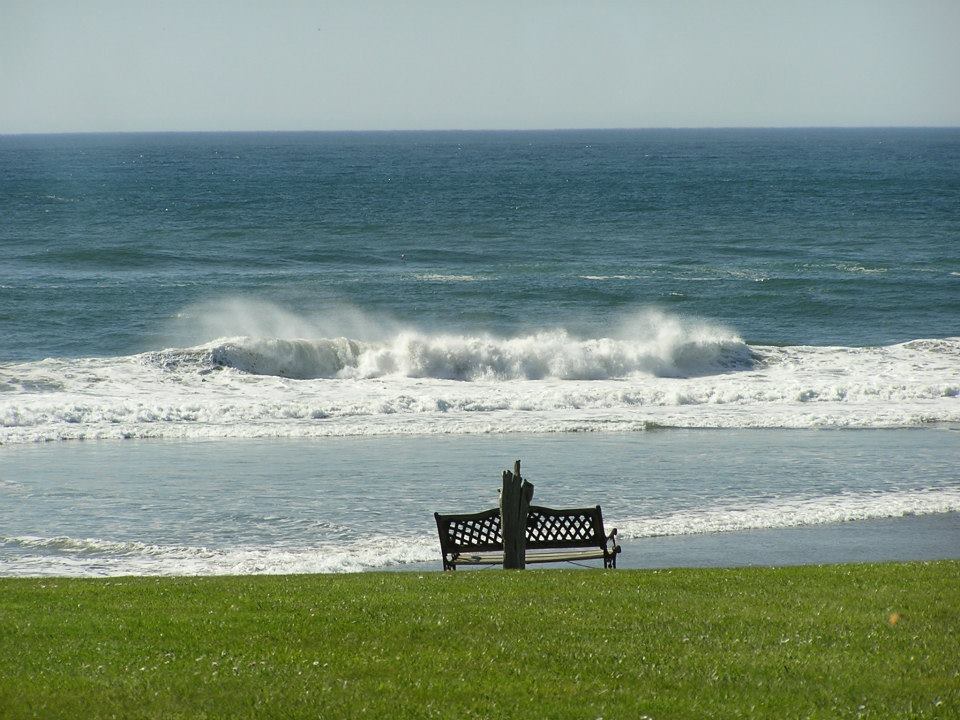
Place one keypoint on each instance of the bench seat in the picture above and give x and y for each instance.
(533, 556)
(552, 535)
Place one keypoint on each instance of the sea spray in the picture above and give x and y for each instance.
(199, 323)
(551, 354)
(278, 342)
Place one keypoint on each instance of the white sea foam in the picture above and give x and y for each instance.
(795, 512)
(601, 278)
(438, 277)
(64, 556)
(655, 371)
(860, 269)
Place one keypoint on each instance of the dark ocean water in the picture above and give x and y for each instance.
(839, 237)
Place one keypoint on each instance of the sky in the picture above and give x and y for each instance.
(171, 65)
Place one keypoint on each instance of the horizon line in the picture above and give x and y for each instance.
(480, 130)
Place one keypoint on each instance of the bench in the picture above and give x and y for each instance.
(552, 536)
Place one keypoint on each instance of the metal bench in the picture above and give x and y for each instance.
(551, 536)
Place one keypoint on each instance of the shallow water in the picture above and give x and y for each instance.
(337, 504)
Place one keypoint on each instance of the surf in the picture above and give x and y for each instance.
(344, 342)
(552, 354)
(298, 376)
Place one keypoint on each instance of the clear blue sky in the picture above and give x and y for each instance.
(127, 65)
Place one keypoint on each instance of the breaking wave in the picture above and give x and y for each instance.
(673, 352)
(658, 372)
(346, 343)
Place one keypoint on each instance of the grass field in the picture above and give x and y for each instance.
(872, 641)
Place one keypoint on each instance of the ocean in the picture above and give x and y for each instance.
(282, 352)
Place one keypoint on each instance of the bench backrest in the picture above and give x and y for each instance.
(574, 527)
(546, 528)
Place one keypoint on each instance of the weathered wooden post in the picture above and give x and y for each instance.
(514, 503)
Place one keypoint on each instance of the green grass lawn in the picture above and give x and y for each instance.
(826, 642)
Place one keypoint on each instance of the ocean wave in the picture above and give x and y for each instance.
(94, 546)
(670, 349)
(600, 278)
(443, 278)
(429, 384)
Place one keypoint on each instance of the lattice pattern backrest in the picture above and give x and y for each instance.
(578, 527)
(473, 533)
(546, 528)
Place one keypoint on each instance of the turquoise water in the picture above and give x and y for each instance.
(578, 298)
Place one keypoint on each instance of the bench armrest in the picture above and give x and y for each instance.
(610, 550)
(612, 546)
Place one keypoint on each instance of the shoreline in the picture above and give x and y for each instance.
(347, 505)
(912, 538)
(902, 539)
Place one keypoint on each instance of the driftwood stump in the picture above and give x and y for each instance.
(515, 500)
